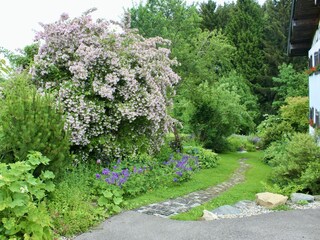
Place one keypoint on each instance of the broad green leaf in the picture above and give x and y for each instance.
(102, 201)
(117, 200)
(48, 175)
(49, 186)
(107, 194)
(116, 209)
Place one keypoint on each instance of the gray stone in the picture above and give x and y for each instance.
(226, 210)
(244, 204)
(317, 198)
(296, 197)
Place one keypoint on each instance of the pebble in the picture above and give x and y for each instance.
(252, 209)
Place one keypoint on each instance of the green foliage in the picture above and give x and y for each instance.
(302, 202)
(295, 112)
(23, 211)
(282, 208)
(283, 190)
(240, 143)
(30, 121)
(289, 83)
(109, 198)
(293, 117)
(207, 158)
(272, 129)
(218, 114)
(70, 205)
(245, 31)
(298, 165)
(25, 59)
(4, 70)
(237, 84)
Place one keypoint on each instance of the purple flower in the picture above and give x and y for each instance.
(175, 180)
(125, 173)
(105, 171)
(115, 167)
(179, 173)
(98, 176)
(119, 161)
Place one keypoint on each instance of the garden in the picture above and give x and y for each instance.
(95, 121)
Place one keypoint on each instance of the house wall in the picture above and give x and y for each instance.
(314, 84)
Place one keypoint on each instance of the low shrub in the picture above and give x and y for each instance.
(272, 129)
(207, 158)
(298, 164)
(71, 205)
(240, 143)
(23, 211)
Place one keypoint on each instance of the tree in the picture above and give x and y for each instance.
(217, 113)
(215, 17)
(289, 83)
(245, 30)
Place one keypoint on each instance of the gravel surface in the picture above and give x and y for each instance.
(252, 209)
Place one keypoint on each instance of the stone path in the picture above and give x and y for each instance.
(173, 207)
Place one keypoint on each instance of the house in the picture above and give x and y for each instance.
(304, 40)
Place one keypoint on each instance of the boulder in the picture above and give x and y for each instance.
(209, 216)
(244, 204)
(270, 200)
(296, 197)
(227, 210)
(317, 198)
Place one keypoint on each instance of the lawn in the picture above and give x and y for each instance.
(257, 174)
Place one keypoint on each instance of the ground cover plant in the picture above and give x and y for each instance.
(257, 173)
(23, 209)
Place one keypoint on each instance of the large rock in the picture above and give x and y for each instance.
(296, 197)
(244, 204)
(270, 200)
(227, 210)
(209, 216)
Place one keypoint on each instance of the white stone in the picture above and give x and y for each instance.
(270, 200)
(209, 216)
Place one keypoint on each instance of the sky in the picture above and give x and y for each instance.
(19, 19)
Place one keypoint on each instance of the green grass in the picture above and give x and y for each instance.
(257, 174)
(200, 180)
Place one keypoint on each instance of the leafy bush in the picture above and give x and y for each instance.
(272, 129)
(295, 112)
(30, 121)
(71, 205)
(298, 164)
(206, 158)
(218, 114)
(115, 87)
(23, 211)
(240, 143)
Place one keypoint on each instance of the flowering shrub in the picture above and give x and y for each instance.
(141, 177)
(115, 87)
